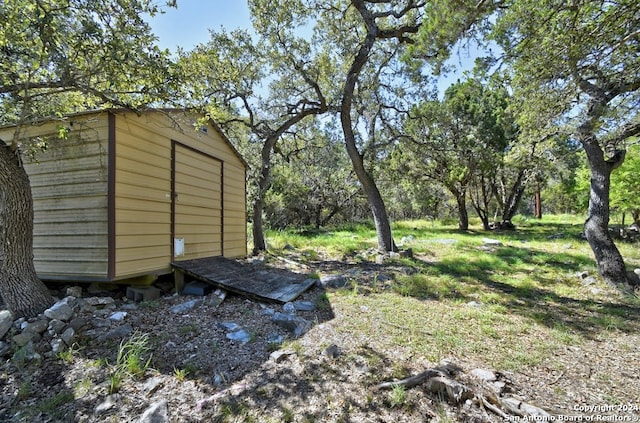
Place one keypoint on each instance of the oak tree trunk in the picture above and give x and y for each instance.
(257, 229)
(596, 228)
(463, 215)
(376, 203)
(538, 201)
(23, 293)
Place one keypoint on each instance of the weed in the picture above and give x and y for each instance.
(114, 382)
(322, 302)
(52, 405)
(24, 355)
(68, 355)
(24, 390)
(180, 374)
(287, 415)
(133, 359)
(398, 396)
(295, 346)
(132, 355)
(82, 388)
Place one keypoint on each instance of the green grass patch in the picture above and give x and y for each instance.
(510, 306)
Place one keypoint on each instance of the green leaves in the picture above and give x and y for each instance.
(49, 51)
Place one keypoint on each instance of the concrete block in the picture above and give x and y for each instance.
(143, 294)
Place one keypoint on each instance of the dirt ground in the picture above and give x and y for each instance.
(327, 375)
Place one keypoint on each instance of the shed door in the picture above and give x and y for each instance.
(197, 204)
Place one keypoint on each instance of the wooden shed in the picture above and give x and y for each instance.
(124, 195)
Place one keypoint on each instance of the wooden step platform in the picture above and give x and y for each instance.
(264, 284)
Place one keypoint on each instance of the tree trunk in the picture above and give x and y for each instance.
(538, 201)
(376, 203)
(596, 228)
(512, 202)
(463, 215)
(481, 200)
(23, 293)
(257, 229)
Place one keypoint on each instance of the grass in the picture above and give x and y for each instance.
(510, 306)
(132, 360)
(398, 396)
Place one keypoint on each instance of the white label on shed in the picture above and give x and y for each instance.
(178, 247)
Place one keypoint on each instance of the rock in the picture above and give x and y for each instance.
(406, 239)
(60, 310)
(217, 298)
(304, 305)
(289, 308)
(333, 281)
(333, 351)
(241, 335)
(186, 306)
(589, 281)
(296, 325)
(275, 339)
(268, 312)
(152, 385)
(492, 242)
(74, 291)
(57, 346)
(475, 304)
(120, 332)
(281, 355)
(5, 348)
(445, 241)
(158, 412)
(6, 320)
(37, 326)
(99, 301)
(118, 316)
(197, 288)
(24, 338)
(78, 323)
(406, 253)
(68, 336)
(56, 326)
(229, 326)
(484, 375)
(106, 405)
(25, 353)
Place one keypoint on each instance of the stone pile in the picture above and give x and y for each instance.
(58, 327)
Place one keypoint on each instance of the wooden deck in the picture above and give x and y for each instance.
(262, 284)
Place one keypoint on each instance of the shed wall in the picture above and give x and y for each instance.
(69, 188)
(143, 190)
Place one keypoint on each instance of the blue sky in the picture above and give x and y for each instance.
(189, 24)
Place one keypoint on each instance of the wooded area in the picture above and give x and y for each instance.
(334, 105)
